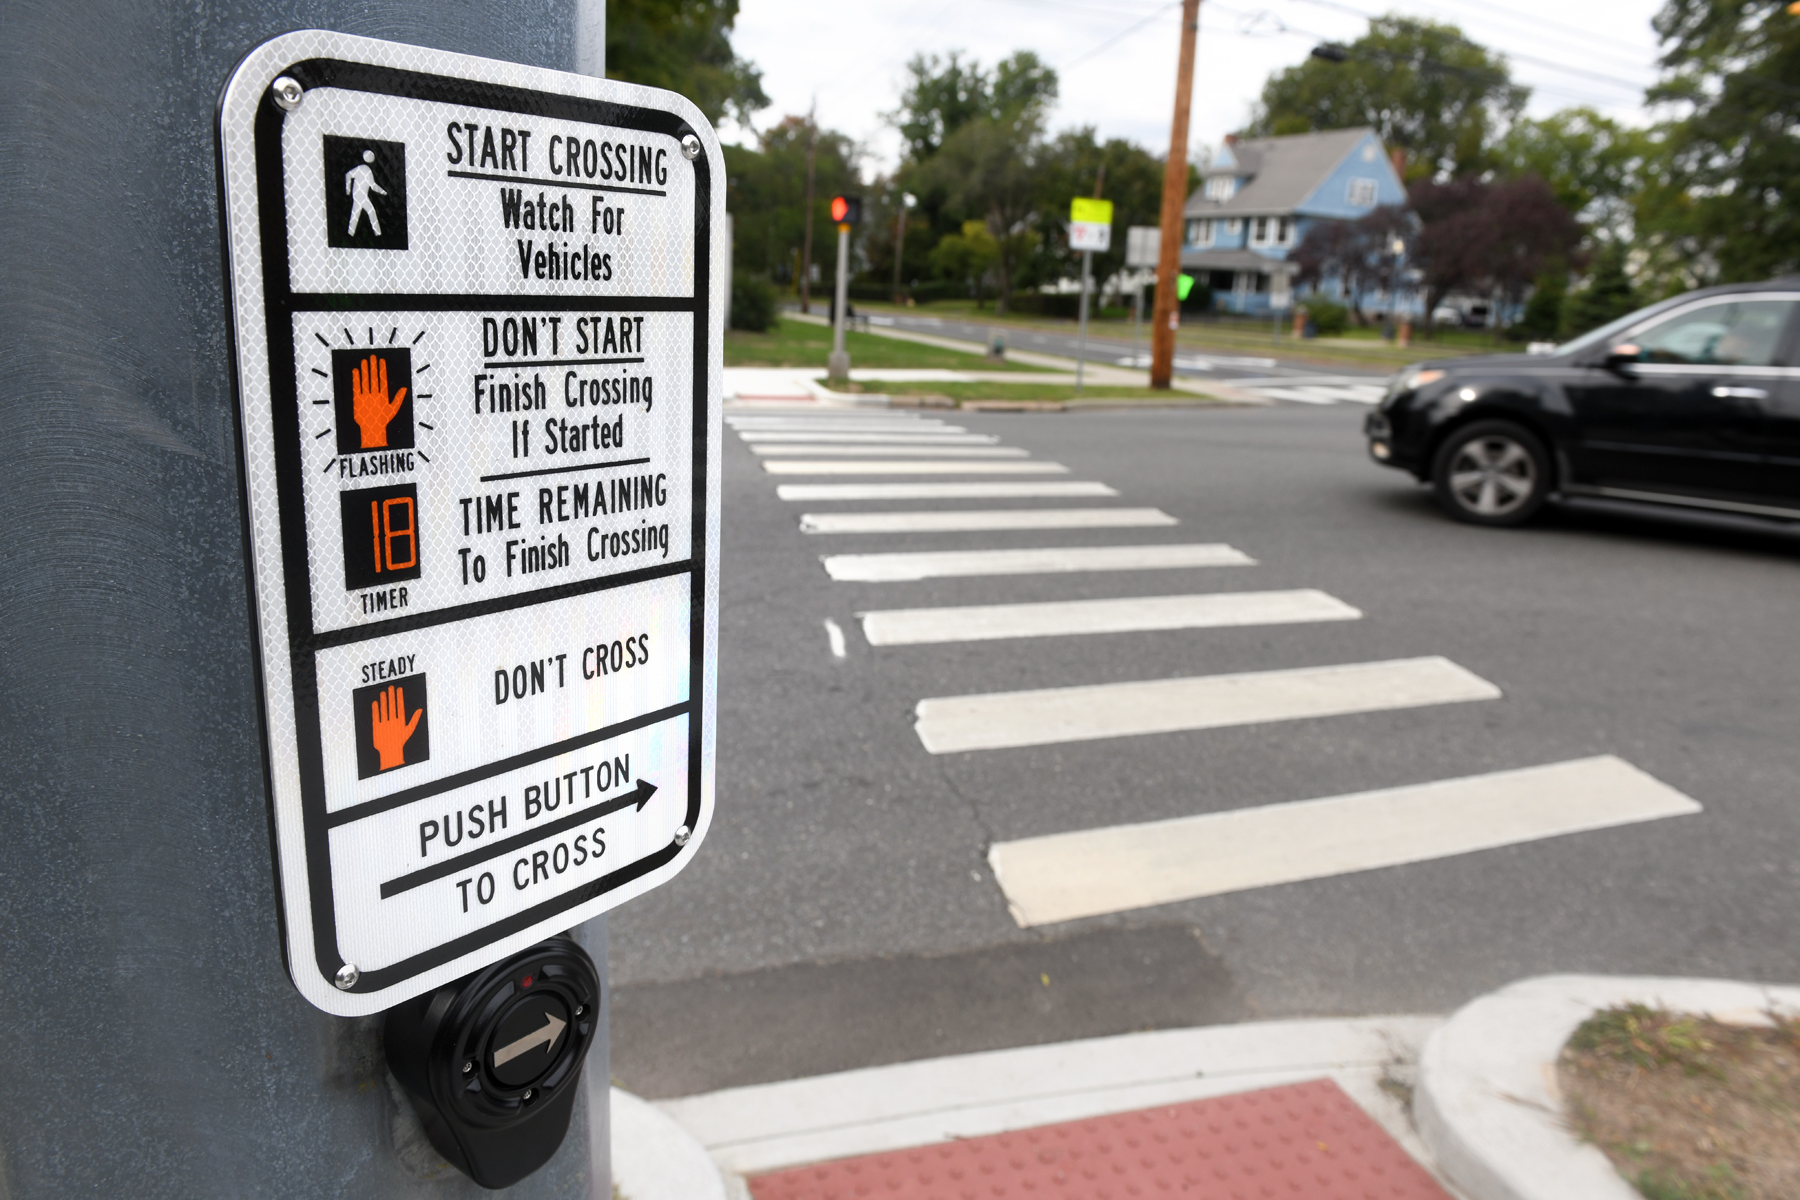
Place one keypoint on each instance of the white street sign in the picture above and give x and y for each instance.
(477, 323)
(1143, 246)
(1090, 235)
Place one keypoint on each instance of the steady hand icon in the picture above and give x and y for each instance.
(373, 409)
(389, 727)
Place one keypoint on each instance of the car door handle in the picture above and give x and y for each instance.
(1740, 393)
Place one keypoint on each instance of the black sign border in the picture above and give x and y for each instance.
(280, 303)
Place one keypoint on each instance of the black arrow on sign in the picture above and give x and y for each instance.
(636, 797)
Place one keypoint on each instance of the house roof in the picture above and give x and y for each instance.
(1279, 173)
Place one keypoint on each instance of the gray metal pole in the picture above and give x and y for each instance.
(1087, 258)
(157, 1045)
(839, 362)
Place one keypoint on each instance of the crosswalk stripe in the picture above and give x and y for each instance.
(863, 466)
(1065, 876)
(841, 427)
(937, 491)
(950, 724)
(761, 450)
(1135, 614)
(907, 566)
(985, 519)
(875, 439)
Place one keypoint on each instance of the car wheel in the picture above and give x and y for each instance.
(1492, 473)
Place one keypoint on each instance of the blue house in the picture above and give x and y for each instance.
(1260, 196)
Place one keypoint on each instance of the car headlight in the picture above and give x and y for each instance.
(1409, 380)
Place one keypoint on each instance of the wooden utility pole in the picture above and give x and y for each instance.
(812, 153)
(1167, 314)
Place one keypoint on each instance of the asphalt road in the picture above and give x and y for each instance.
(842, 913)
(1120, 351)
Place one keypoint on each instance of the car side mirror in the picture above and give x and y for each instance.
(1622, 356)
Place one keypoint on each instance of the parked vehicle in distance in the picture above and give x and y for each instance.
(1692, 402)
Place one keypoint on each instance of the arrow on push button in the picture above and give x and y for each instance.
(552, 1030)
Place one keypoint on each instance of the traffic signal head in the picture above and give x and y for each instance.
(846, 210)
(1183, 285)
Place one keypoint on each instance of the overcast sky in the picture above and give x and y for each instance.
(1116, 58)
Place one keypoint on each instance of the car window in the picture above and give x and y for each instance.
(1739, 333)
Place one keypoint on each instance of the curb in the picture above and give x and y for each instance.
(653, 1158)
(1487, 1103)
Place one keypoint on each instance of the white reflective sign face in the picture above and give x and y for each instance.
(478, 346)
(1090, 235)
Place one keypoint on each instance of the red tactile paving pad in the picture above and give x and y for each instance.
(1306, 1141)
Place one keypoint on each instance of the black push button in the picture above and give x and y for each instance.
(492, 1061)
(527, 1039)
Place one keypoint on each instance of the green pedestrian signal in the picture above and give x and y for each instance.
(1183, 285)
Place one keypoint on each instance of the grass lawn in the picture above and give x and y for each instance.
(800, 344)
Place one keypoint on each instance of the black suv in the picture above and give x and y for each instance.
(1693, 402)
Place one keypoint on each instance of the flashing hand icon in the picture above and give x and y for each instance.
(372, 408)
(388, 727)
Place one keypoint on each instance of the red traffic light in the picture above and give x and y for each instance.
(846, 210)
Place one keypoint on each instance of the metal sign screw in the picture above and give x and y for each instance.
(468, 1068)
(288, 95)
(529, 1093)
(682, 835)
(347, 975)
(690, 145)
(580, 1008)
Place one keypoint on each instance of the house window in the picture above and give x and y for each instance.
(1284, 234)
(1362, 193)
(1199, 233)
(1220, 187)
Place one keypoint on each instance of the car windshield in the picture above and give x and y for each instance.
(1594, 337)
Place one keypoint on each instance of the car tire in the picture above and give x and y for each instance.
(1491, 473)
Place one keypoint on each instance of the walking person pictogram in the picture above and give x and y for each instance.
(359, 181)
(365, 193)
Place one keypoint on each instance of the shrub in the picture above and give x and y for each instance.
(1329, 318)
(752, 303)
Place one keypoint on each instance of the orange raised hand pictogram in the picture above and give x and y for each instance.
(389, 728)
(373, 409)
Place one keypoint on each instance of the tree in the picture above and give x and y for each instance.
(967, 255)
(944, 94)
(1607, 295)
(1423, 86)
(765, 193)
(1493, 237)
(1070, 165)
(1360, 254)
(1593, 164)
(684, 46)
(989, 167)
(1733, 162)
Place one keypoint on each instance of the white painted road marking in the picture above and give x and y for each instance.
(937, 491)
(950, 724)
(904, 567)
(769, 451)
(1085, 874)
(988, 622)
(834, 634)
(873, 439)
(985, 519)
(864, 466)
(785, 426)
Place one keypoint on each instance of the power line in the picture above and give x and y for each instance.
(1281, 27)
(1120, 36)
(1548, 64)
